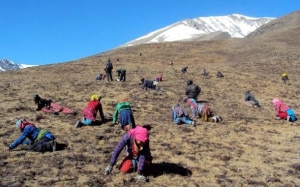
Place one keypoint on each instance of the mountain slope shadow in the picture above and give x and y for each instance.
(169, 168)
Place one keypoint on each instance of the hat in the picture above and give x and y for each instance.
(276, 101)
(18, 123)
(95, 97)
(140, 133)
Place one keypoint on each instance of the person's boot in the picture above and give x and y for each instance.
(77, 124)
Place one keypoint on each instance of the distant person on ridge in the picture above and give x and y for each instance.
(159, 77)
(205, 73)
(220, 75)
(148, 84)
(184, 70)
(250, 100)
(121, 75)
(285, 78)
(108, 70)
(283, 111)
(100, 77)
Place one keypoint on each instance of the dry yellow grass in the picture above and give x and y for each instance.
(249, 148)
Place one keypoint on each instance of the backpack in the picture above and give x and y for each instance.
(291, 114)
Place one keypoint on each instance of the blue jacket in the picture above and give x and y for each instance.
(30, 132)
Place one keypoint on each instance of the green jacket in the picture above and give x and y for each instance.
(120, 106)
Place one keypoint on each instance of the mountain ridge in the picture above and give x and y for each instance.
(235, 25)
(196, 29)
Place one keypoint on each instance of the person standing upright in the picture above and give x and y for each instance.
(108, 70)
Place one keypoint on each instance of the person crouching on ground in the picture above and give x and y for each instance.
(250, 100)
(39, 140)
(148, 84)
(158, 78)
(202, 111)
(100, 77)
(180, 115)
(126, 119)
(121, 75)
(138, 157)
(280, 109)
(90, 112)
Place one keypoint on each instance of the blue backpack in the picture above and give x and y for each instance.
(292, 115)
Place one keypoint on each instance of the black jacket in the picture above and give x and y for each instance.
(192, 91)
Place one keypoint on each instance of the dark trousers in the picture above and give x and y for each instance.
(123, 76)
(44, 144)
(109, 76)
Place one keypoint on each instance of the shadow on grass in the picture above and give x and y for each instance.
(96, 123)
(60, 146)
(169, 168)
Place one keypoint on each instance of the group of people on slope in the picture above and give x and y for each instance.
(136, 139)
(282, 110)
(121, 77)
(199, 110)
(122, 111)
(205, 73)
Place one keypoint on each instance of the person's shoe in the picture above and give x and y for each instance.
(214, 119)
(194, 123)
(77, 124)
(54, 145)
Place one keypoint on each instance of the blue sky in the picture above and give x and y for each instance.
(38, 32)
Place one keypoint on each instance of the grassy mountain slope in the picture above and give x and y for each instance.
(248, 148)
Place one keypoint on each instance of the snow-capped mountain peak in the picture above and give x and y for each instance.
(234, 26)
(6, 64)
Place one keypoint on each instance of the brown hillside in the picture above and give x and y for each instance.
(249, 148)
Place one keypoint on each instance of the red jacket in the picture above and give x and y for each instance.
(90, 111)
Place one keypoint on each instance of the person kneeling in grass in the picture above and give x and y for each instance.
(138, 157)
(39, 140)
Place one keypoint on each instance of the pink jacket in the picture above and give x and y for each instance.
(279, 106)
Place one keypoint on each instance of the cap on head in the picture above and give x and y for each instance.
(276, 101)
(95, 97)
(140, 134)
(142, 79)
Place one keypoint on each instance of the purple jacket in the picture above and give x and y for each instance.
(127, 140)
